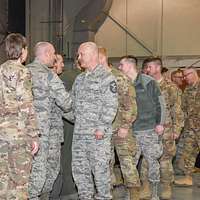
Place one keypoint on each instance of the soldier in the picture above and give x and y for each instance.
(48, 90)
(94, 95)
(173, 125)
(19, 132)
(123, 140)
(191, 109)
(148, 125)
(56, 137)
(178, 78)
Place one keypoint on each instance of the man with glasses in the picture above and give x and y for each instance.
(191, 108)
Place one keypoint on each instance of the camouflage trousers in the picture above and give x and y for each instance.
(166, 167)
(39, 170)
(53, 162)
(191, 149)
(150, 146)
(90, 166)
(178, 162)
(126, 149)
(15, 167)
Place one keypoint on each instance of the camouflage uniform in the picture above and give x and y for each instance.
(48, 89)
(56, 137)
(18, 129)
(125, 147)
(191, 109)
(94, 96)
(173, 124)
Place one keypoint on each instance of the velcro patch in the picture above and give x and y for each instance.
(113, 87)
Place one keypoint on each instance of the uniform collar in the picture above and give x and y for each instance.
(36, 61)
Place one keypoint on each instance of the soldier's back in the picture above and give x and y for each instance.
(11, 72)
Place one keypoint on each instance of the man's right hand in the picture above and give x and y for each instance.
(122, 132)
(34, 147)
(159, 129)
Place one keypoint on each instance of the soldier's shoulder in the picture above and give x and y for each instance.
(118, 74)
(170, 84)
(13, 67)
(146, 79)
(80, 77)
(37, 67)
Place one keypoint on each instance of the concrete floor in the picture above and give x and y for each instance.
(179, 193)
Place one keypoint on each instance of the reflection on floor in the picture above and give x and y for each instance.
(179, 193)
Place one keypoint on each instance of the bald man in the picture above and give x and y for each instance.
(48, 90)
(94, 96)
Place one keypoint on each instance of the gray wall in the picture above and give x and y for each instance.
(45, 22)
(171, 31)
(3, 27)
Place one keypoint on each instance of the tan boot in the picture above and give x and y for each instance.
(166, 191)
(134, 193)
(185, 181)
(145, 191)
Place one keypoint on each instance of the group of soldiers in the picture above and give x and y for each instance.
(137, 115)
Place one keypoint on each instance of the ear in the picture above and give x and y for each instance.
(24, 55)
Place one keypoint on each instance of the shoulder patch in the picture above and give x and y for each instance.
(113, 87)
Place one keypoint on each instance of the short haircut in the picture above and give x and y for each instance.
(14, 44)
(130, 58)
(156, 60)
(178, 71)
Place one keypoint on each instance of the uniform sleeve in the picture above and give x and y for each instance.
(159, 102)
(109, 102)
(70, 115)
(25, 103)
(177, 113)
(127, 104)
(184, 107)
(59, 93)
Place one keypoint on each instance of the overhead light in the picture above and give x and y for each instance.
(83, 21)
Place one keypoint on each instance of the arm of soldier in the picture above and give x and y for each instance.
(59, 93)
(184, 104)
(70, 115)
(160, 107)
(128, 108)
(109, 105)
(26, 108)
(177, 113)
